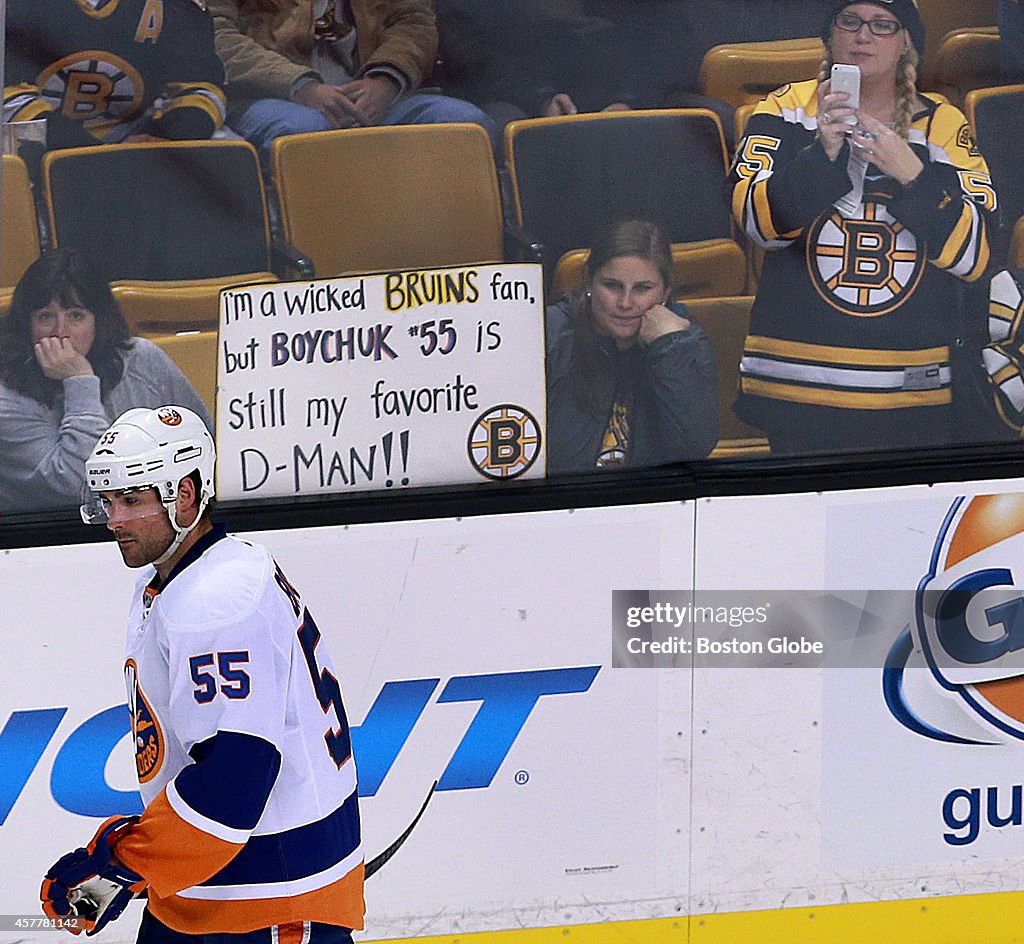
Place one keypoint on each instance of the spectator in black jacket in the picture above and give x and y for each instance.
(631, 377)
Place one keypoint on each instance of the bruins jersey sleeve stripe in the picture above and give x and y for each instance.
(1002, 357)
(965, 253)
(201, 103)
(23, 103)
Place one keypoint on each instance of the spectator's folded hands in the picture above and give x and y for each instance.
(332, 102)
(370, 98)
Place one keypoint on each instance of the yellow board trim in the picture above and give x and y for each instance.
(961, 919)
(864, 357)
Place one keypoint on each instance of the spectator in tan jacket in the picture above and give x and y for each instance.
(295, 66)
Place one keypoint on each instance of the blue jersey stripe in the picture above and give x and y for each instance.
(248, 763)
(295, 853)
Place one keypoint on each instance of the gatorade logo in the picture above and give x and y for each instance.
(865, 266)
(504, 442)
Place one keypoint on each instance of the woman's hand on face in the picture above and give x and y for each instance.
(659, 320)
(832, 114)
(58, 359)
(884, 148)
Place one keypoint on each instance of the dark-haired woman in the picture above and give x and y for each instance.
(873, 218)
(68, 367)
(631, 377)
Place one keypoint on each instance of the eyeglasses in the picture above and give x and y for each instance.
(852, 24)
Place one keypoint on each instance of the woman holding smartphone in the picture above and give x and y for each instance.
(870, 216)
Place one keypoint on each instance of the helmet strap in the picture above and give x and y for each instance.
(180, 533)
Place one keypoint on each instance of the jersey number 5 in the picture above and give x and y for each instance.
(328, 692)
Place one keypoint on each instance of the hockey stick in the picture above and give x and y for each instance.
(378, 861)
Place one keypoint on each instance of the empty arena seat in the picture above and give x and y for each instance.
(744, 73)
(966, 59)
(696, 268)
(944, 16)
(407, 197)
(726, 321)
(19, 229)
(163, 214)
(574, 175)
(195, 352)
(154, 308)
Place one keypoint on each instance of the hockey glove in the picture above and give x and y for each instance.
(88, 884)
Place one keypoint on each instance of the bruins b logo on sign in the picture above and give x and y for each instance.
(866, 265)
(504, 442)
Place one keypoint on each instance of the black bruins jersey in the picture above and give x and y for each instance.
(114, 67)
(856, 303)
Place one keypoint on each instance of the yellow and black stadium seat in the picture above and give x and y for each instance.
(696, 269)
(744, 73)
(966, 59)
(195, 352)
(997, 118)
(180, 220)
(945, 16)
(726, 321)
(408, 197)
(572, 176)
(19, 229)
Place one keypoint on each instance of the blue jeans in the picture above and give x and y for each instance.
(268, 118)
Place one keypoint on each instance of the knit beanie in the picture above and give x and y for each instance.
(903, 10)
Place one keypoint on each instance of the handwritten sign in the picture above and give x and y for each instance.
(381, 381)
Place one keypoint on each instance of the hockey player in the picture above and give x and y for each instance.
(872, 217)
(251, 822)
(111, 70)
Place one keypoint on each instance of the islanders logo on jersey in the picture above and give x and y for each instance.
(957, 674)
(149, 737)
(865, 265)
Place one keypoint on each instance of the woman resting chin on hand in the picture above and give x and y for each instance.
(68, 367)
(631, 378)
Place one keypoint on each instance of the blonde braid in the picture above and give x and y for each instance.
(826, 66)
(906, 91)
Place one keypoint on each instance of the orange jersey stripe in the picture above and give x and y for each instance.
(170, 853)
(340, 903)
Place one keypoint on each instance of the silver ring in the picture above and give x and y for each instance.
(871, 135)
(827, 118)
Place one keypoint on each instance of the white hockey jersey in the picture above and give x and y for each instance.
(242, 748)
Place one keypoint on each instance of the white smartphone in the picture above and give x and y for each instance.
(847, 79)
